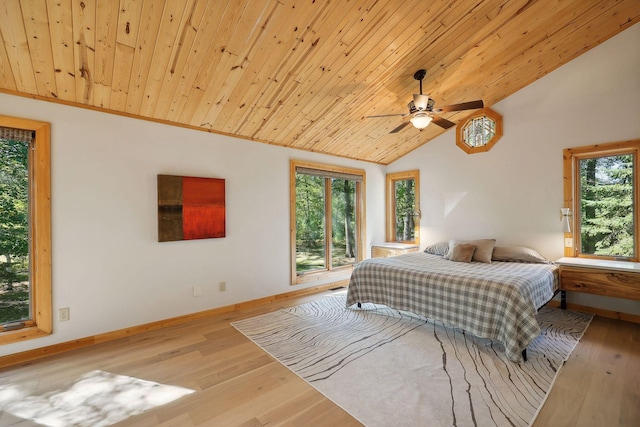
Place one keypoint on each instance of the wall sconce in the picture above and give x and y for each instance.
(566, 225)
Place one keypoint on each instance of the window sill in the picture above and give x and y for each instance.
(22, 334)
(604, 264)
(336, 273)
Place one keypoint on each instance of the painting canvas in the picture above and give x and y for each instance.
(190, 208)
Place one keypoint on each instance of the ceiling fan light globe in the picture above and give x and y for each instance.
(421, 121)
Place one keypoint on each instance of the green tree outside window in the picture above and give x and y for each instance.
(606, 206)
(14, 231)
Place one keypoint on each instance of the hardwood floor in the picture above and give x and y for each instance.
(237, 384)
(599, 384)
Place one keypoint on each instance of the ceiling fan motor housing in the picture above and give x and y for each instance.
(421, 102)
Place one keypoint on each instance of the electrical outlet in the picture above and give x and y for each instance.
(222, 286)
(63, 314)
(197, 290)
(568, 242)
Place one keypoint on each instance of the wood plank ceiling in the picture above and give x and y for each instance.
(295, 73)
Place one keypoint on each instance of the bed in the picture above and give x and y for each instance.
(497, 300)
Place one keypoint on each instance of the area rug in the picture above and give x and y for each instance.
(391, 368)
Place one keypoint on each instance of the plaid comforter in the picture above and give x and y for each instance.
(498, 301)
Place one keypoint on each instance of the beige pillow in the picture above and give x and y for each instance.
(484, 248)
(518, 254)
(461, 252)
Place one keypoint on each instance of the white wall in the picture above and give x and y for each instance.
(108, 266)
(514, 191)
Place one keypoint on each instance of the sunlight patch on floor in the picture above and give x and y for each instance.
(95, 399)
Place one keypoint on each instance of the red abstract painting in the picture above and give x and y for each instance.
(190, 208)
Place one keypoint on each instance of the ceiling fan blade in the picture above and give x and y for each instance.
(384, 115)
(399, 128)
(471, 105)
(443, 123)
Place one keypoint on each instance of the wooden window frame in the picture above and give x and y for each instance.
(335, 272)
(486, 112)
(571, 157)
(392, 178)
(41, 323)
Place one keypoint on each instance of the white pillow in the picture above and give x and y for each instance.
(440, 248)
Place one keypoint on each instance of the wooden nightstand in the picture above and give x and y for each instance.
(387, 249)
(600, 277)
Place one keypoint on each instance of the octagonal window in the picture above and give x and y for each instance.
(479, 132)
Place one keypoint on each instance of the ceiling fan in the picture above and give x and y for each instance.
(422, 112)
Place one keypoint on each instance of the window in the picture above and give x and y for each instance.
(403, 207)
(327, 220)
(25, 228)
(601, 188)
(479, 132)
